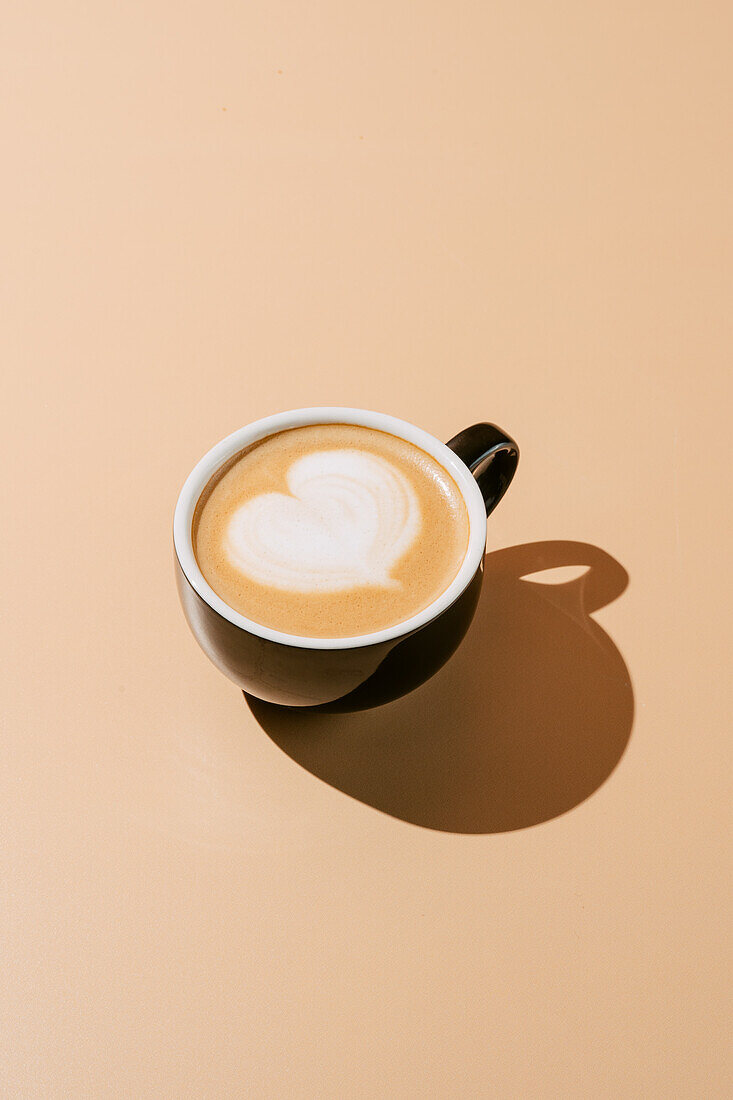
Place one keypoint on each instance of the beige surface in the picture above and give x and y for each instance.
(512, 211)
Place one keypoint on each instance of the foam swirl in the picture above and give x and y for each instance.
(351, 515)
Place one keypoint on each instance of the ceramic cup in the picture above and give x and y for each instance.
(369, 669)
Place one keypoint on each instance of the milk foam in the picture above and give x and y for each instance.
(350, 517)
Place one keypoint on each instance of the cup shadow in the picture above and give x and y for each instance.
(526, 720)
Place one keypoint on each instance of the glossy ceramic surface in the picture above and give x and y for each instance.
(297, 671)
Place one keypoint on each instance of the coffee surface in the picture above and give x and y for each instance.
(330, 530)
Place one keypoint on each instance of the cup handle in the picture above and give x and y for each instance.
(491, 455)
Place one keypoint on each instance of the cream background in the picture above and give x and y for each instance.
(517, 212)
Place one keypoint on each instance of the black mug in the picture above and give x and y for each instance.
(370, 669)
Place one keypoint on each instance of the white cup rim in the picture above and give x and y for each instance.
(295, 418)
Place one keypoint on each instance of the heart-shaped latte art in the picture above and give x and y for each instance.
(350, 517)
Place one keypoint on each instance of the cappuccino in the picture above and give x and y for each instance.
(330, 531)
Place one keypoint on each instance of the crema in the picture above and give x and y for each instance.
(330, 530)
